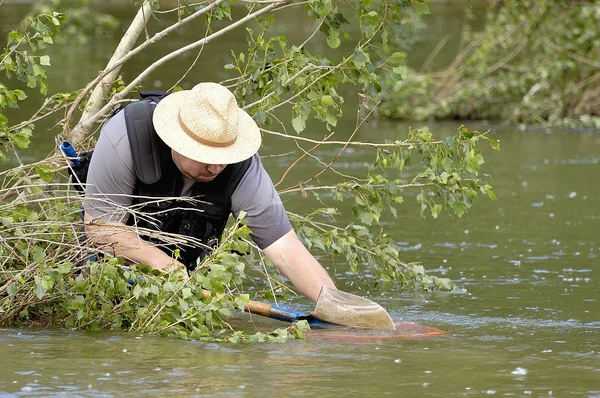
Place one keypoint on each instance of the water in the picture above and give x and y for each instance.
(528, 325)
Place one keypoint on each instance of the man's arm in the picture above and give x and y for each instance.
(296, 263)
(124, 242)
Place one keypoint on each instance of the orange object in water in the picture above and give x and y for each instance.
(403, 330)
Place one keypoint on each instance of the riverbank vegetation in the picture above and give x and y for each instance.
(50, 276)
(535, 62)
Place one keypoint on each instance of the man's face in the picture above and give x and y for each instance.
(196, 171)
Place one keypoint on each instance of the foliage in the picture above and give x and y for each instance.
(85, 20)
(17, 61)
(536, 62)
(42, 247)
(47, 280)
(450, 179)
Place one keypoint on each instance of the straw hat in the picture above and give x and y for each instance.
(207, 125)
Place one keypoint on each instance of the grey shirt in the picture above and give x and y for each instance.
(111, 182)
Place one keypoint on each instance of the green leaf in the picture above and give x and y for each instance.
(45, 60)
(137, 291)
(20, 94)
(401, 70)
(331, 119)
(40, 290)
(169, 287)
(299, 124)
(495, 144)
(12, 289)
(6, 221)
(327, 100)
(366, 218)
(443, 283)
(435, 210)
(44, 173)
(420, 9)
(38, 254)
(333, 40)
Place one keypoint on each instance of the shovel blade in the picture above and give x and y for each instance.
(346, 309)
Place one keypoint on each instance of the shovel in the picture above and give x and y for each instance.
(332, 307)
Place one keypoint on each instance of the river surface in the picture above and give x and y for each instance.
(528, 326)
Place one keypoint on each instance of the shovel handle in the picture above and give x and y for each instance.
(271, 311)
(268, 310)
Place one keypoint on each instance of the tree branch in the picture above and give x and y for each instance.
(86, 125)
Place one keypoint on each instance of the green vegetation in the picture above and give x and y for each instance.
(536, 62)
(46, 276)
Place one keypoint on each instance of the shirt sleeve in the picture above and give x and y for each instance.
(111, 177)
(265, 214)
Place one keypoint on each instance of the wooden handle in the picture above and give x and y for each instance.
(264, 309)
(255, 307)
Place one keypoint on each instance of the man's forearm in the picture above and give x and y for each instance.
(296, 263)
(123, 242)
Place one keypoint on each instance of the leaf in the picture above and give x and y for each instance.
(299, 124)
(39, 290)
(327, 100)
(38, 254)
(169, 287)
(435, 210)
(366, 218)
(333, 40)
(331, 120)
(360, 59)
(44, 173)
(20, 94)
(45, 60)
(401, 70)
(6, 221)
(137, 291)
(443, 283)
(12, 289)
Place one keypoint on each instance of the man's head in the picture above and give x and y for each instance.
(206, 130)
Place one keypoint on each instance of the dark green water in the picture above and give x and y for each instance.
(529, 326)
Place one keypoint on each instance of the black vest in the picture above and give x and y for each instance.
(201, 216)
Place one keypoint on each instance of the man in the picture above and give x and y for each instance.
(202, 145)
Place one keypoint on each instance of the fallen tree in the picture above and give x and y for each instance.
(47, 273)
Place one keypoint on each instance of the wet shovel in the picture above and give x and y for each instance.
(332, 307)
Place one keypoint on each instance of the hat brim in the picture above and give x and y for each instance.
(166, 124)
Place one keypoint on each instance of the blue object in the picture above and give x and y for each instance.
(69, 151)
(288, 315)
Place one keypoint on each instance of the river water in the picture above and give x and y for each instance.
(528, 326)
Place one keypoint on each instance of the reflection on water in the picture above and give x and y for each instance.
(528, 325)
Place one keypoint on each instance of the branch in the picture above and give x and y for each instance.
(81, 129)
(355, 143)
(127, 42)
(86, 125)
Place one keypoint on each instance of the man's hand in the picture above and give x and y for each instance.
(179, 270)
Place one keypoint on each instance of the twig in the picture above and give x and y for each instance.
(369, 144)
(434, 53)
